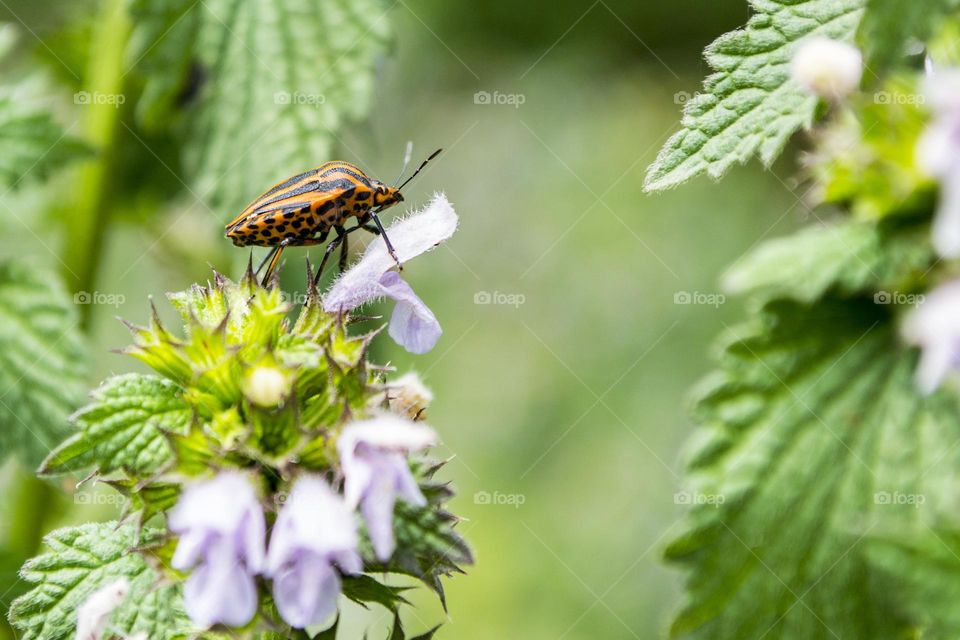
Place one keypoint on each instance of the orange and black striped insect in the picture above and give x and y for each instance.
(301, 211)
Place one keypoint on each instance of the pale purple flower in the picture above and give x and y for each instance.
(412, 324)
(222, 534)
(938, 153)
(94, 613)
(935, 328)
(373, 458)
(314, 535)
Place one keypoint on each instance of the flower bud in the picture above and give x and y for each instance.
(266, 386)
(828, 68)
(409, 396)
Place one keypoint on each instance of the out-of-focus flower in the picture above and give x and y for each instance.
(266, 386)
(222, 534)
(314, 533)
(412, 324)
(93, 614)
(935, 328)
(409, 396)
(373, 458)
(938, 154)
(829, 68)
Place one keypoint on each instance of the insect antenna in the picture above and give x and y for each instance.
(406, 160)
(419, 169)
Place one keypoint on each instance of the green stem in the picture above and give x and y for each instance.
(88, 214)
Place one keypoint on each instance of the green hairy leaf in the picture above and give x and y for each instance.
(80, 561)
(261, 85)
(750, 105)
(850, 257)
(124, 427)
(42, 361)
(812, 437)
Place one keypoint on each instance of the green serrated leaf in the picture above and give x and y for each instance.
(849, 257)
(809, 427)
(926, 564)
(124, 427)
(750, 105)
(80, 561)
(42, 361)
(364, 590)
(889, 26)
(260, 86)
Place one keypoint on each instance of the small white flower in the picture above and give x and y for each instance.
(829, 68)
(412, 324)
(938, 154)
(93, 614)
(935, 328)
(373, 457)
(266, 386)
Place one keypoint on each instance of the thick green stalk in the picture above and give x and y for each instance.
(87, 215)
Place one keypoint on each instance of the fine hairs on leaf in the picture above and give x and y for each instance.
(750, 106)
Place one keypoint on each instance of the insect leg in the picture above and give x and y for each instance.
(342, 263)
(276, 259)
(266, 260)
(326, 254)
(393, 254)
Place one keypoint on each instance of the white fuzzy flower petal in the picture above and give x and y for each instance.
(411, 236)
(93, 614)
(388, 433)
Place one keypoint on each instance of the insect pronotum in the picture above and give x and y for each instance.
(301, 211)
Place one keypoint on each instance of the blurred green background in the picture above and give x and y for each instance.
(562, 399)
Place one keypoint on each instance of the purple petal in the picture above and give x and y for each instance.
(377, 509)
(306, 592)
(220, 590)
(412, 325)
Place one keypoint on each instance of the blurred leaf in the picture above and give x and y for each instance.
(888, 26)
(849, 256)
(42, 361)
(80, 561)
(926, 563)
(750, 105)
(262, 85)
(124, 427)
(32, 144)
(810, 431)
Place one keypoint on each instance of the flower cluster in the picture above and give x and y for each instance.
(270, 465)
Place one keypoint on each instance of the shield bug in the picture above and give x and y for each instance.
(302, 210)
